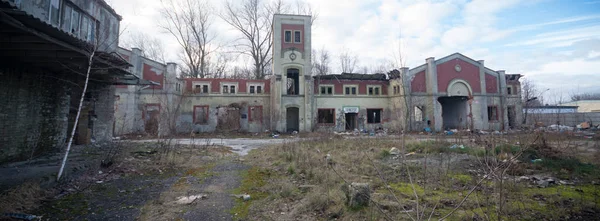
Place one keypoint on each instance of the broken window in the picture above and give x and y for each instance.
(255, 113)
(201, 114)
(225, 89)
(75, 23)
(508, 90)
(252, 89)
(205, 89)
(232, 89)
(326, 89)
(297, 37)
(288, 37)
(66, 23)
(259, 89)
(197, 89)
(326, 116)
(293, 81)
(373, 116)
(377, 91)
(255, 89)
(492, 113)
(419, 113)
(54, 12)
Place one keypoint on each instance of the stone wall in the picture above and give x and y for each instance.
(34, 108)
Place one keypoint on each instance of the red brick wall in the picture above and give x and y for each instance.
(338, 86)
(468, 73)
(151, 75)
(418, 83)
(215, 84)
(292, 28)
(491, 84)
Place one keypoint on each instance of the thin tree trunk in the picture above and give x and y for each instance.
(69, 144)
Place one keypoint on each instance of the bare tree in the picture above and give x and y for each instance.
(529, 92)
(151, 47)
(218, 66)
(321, 61)
(585, 96)
(348, 61)
(253, 20)
(189, 21)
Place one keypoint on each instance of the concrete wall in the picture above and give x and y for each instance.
(568, 119)
(34, 109)
(185, 121)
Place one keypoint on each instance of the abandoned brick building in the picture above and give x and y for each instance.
(454, 92)
(45, 49)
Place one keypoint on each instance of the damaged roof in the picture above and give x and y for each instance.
(352, 76)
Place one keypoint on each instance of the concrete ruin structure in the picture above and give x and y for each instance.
(46, 47)
(454, 92)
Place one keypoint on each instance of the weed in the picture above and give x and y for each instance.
(252, 181)
(384, 154)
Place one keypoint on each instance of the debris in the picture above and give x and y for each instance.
(100, 172)
(246, 197)
(99, 181)
(184, 200)
(428, 130)
(448, 132)
(328, 159)
(454, 146)
(22, 216)
(584, 125)
(358, 194)
(275, 135)
(536, 160)
(294, 132)
(408, 154)
(483, 132)
(394, 151)
(523, 178)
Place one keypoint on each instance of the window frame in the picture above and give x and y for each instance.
(509, 90)
(251, 118)
(371, 88)
(207, 114)
(229, 86)
(493, 107)
(299, 37)
(326, 87)
(319, 118)
(201, 84)
(256, 86)
(351, 86)
(291, 36)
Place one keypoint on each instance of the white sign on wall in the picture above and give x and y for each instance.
(351, 109)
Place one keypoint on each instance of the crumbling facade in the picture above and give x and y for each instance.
(45, 51)
(454, 92)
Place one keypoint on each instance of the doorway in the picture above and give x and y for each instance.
(512, 114)
(351, 121)
(292, 119)
(228, 118)
(293, 81)
(454, 112)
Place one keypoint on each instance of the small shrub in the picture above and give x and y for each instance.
(291, 170)
(384, 154)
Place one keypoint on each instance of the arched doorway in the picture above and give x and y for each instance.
(292, 119)
(455, 106)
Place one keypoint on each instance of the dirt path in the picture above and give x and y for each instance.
(151, 194)
(218, 189)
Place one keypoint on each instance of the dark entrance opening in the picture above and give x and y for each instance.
(512, 115)
(454, 112)
(292, 119)
(228, 118)
(293, 81)
(351, 121)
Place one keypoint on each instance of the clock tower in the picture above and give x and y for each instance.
(291, 83)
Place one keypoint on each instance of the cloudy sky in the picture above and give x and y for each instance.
(555, 43)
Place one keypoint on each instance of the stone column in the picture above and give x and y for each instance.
(479, 105)
(433, 109)
(504, 107)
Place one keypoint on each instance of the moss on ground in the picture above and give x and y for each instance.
(252, 181)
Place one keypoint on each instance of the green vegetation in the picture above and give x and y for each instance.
(253, 180)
